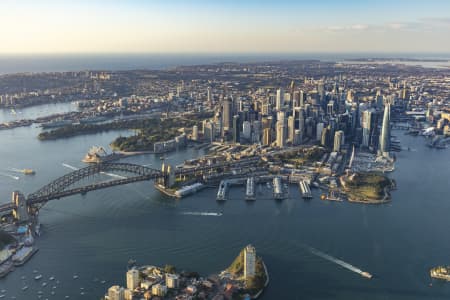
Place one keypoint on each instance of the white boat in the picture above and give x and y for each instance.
(51, 278)
(75, 276)
(38, 277)
(25, 288)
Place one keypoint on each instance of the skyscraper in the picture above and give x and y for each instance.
(116, 293)
(249, 261)
(132, 279)
(236, 129)
(367, 121)
(226, 113)
(385, 137)
(209, 96)
(279, 102)
(291, 129)
(338, 140)
(281, 134)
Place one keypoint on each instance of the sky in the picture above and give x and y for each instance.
(227, 26)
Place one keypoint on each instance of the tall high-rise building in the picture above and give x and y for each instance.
(319, 130)
(226, 113)
(367, 121)
(338, 140)
(267, 136)
(209, 132)
(236, 129)
(385, 137)
(325, 138)
(302, 98)
(132, 279)
(281, 134)
(291, 129)
(209, 95)
(279, 102)
(195, 133)
(249, 261)
(266, 108)
(246, 130)
(116, 293)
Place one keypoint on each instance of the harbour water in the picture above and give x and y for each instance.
(93, 236)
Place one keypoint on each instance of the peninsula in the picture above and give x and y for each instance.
(245, 278)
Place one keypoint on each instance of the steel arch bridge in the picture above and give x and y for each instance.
(62, 187)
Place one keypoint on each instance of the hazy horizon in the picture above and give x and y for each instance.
(223, 27)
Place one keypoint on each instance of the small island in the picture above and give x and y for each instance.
(367, 187)
(245, 278)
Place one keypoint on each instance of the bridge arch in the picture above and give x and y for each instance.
(61, 187)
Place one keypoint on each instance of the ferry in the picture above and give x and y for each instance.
(28, 172)
(440, 272)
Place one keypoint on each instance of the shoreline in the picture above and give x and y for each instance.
(256, 296)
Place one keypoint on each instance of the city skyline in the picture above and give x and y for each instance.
(199, 26)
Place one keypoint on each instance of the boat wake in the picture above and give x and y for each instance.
(69, 166)
(339, 262)
(15, 170)
(10, 176)
(199, 213)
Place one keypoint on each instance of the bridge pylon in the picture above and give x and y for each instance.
(21, 212)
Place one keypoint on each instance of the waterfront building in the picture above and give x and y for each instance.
(249, 261)
(338, 140)
(195, 133)
(128, 294)
(116, 293)
(172, 281)
(132, 279)
(159, 290)
(385, 137)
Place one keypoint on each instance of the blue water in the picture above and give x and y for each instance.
(95, 235)
(78, 62)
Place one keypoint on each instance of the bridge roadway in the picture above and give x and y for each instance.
(59, 188)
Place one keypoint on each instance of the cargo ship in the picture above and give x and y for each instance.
(440, 272)
(99, 155)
